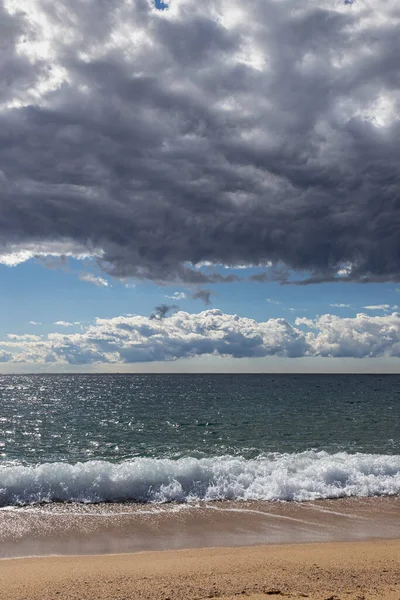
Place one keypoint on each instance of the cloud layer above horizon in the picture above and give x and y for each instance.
(215, 131)
(136, 339)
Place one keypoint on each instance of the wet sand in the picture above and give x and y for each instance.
(70, 529)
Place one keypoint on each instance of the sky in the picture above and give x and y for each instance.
(199, 186)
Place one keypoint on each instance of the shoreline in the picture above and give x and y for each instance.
(112, 529)
(318, 571)
(366, 541)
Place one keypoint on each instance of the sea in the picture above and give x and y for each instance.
(189, 438)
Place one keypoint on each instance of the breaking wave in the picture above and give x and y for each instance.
(304, 476)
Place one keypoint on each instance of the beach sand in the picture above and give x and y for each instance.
(330, 549)
(352, 570)
(125, 528)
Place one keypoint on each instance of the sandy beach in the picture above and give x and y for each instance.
(345, 570)
(318, 550)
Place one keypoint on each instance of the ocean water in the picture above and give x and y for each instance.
(160, 438)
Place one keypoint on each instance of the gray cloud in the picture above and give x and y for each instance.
(209, 132)
(161, 311)
(260, 277)
(53, 262)
(203, 295)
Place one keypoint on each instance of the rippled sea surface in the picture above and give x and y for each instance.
(113, 417)
(228, 436)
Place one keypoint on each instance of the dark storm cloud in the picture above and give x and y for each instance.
(17, 73)
(158, 140)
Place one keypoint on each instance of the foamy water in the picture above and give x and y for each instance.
(294, 476)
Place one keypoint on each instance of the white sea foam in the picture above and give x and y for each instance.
(304, 476)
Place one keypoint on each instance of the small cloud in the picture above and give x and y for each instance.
(203, 295)
(345, 270)
(162, 310)
(26, 337)
(66, 323)
(340, 305)
(298, 309)
(260, 277)
(271, 301)
(177, 296)
(384, 307)
(34, 323)
(130, 286)
(90, 278)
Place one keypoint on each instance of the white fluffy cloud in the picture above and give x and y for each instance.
(135, 339)
(359, 337)
(177, 296)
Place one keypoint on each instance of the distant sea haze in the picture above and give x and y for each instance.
(185, 438)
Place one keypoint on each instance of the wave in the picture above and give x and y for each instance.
(303, 476)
